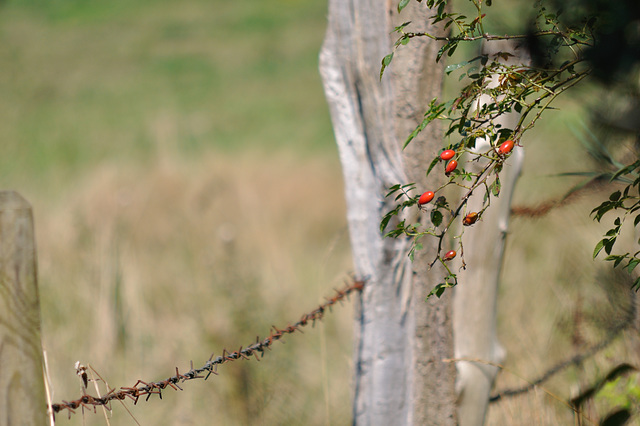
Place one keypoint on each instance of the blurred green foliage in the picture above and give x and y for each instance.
(85, 82)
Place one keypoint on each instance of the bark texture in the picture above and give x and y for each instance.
(400, 340)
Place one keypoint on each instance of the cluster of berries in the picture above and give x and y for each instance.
(447, 155)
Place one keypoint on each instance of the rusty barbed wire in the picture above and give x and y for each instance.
(147, 389)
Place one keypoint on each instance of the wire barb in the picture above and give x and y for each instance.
(142, 388)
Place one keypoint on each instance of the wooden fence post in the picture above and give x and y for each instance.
(22, 397)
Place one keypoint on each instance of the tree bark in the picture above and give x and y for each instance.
(400, 340)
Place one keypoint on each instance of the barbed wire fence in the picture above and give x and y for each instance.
(144, 389)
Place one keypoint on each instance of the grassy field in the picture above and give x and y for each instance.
(188, 195)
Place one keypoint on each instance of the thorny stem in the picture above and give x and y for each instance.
(489, 37)
(486, 172)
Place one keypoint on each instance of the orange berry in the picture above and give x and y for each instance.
(449, 255)
(451, 166)
(426, 197)
(470, 219)
(447, 154)
(505, 147)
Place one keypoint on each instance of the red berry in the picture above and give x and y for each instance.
(505, 148)
(426, 197)
(470, 219)
(451, 166)
(450, 255)
(447, 154)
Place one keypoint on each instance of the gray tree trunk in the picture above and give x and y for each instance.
(400, 340)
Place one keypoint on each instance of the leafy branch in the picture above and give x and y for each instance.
(494, 85)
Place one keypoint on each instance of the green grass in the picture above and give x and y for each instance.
(105, 82)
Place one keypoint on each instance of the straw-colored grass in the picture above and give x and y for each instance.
(145, 269)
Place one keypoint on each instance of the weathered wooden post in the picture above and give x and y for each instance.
(22, 397)
(401, 340)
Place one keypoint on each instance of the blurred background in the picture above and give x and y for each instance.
(187, 196)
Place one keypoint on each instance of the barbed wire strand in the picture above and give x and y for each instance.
(147, 389)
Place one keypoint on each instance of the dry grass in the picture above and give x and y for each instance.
(144, 269)
(555, 302)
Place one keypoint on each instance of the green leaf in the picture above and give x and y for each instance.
(385, 63)
(615, 196)
(616, 258)
(437, 290)
(435, 109)
(450, 282)
(598, 248)
(451, 68)
(611, 232)
(385, 220)
(625, 170)
(632, 264)
(392, 189)
(433, 164)
(402, 5)
(608, 245)
(401, 27)
(495, 188)
(436, 217)
(416, 247)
